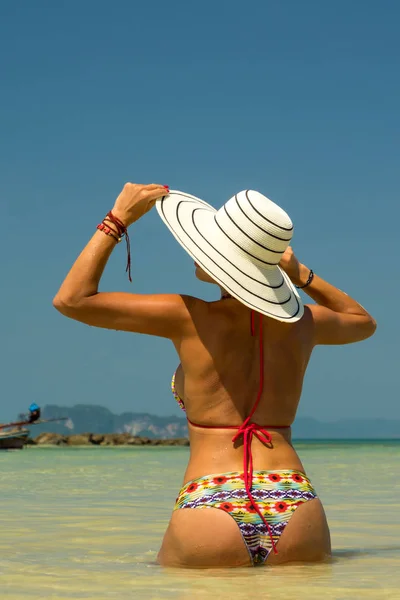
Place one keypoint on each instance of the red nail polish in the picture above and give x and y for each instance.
(166, 186)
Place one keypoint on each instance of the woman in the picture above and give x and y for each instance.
(242, 364)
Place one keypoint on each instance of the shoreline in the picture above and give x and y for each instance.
(102, 439)
(127, 439)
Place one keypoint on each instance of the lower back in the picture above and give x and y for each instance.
(212, 451)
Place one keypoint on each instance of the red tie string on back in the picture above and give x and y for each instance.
(122, 231)
(248, 430)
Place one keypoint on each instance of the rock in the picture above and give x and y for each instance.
(175, 442)
(106, 439)
(54, 439)
(122, 439)
(183, 442)
(96, 438)
(135, 440)
(117, 439)
(77, 439)
(146, 441)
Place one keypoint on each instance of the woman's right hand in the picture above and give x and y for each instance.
(135, 200)
(291, 265)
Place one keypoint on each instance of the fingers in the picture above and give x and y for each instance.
(153, 195)
(154, 186)
(150, 202)
(155, 191)
(151, 186)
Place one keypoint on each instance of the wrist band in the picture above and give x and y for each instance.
(108, 231)
(118, 233)
(309, 280)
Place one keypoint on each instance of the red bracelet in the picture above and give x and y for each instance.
(108, 231)
(108, 223)
(122, 231)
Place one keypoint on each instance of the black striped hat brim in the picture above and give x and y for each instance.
(267, 290)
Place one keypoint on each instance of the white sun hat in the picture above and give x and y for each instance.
(239, 246)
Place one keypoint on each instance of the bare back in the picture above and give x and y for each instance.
(219, 377)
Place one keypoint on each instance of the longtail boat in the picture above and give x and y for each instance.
(15, 439)
(14, 435)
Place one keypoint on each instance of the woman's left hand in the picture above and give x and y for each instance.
(136, 199)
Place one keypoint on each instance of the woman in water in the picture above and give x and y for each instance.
(246, 498)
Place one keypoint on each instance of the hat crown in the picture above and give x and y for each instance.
(258, 228)
(239, 246)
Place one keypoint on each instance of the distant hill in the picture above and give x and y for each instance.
(83, 418)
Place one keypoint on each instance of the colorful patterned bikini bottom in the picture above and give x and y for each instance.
(277, 494)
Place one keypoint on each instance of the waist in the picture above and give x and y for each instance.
(212, 451)
(232, 427)
(237, 434)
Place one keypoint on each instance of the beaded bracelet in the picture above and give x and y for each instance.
(108, 231)
(309, 280)
(118, 233)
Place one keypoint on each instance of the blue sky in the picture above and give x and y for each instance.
(299, 100)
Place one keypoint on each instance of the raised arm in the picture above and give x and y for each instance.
(337, 318)
(164, 315)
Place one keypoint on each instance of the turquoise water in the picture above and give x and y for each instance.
(80, 523)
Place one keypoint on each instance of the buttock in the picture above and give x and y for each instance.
(276, 494)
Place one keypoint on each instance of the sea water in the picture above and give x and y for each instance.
(78, 523)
